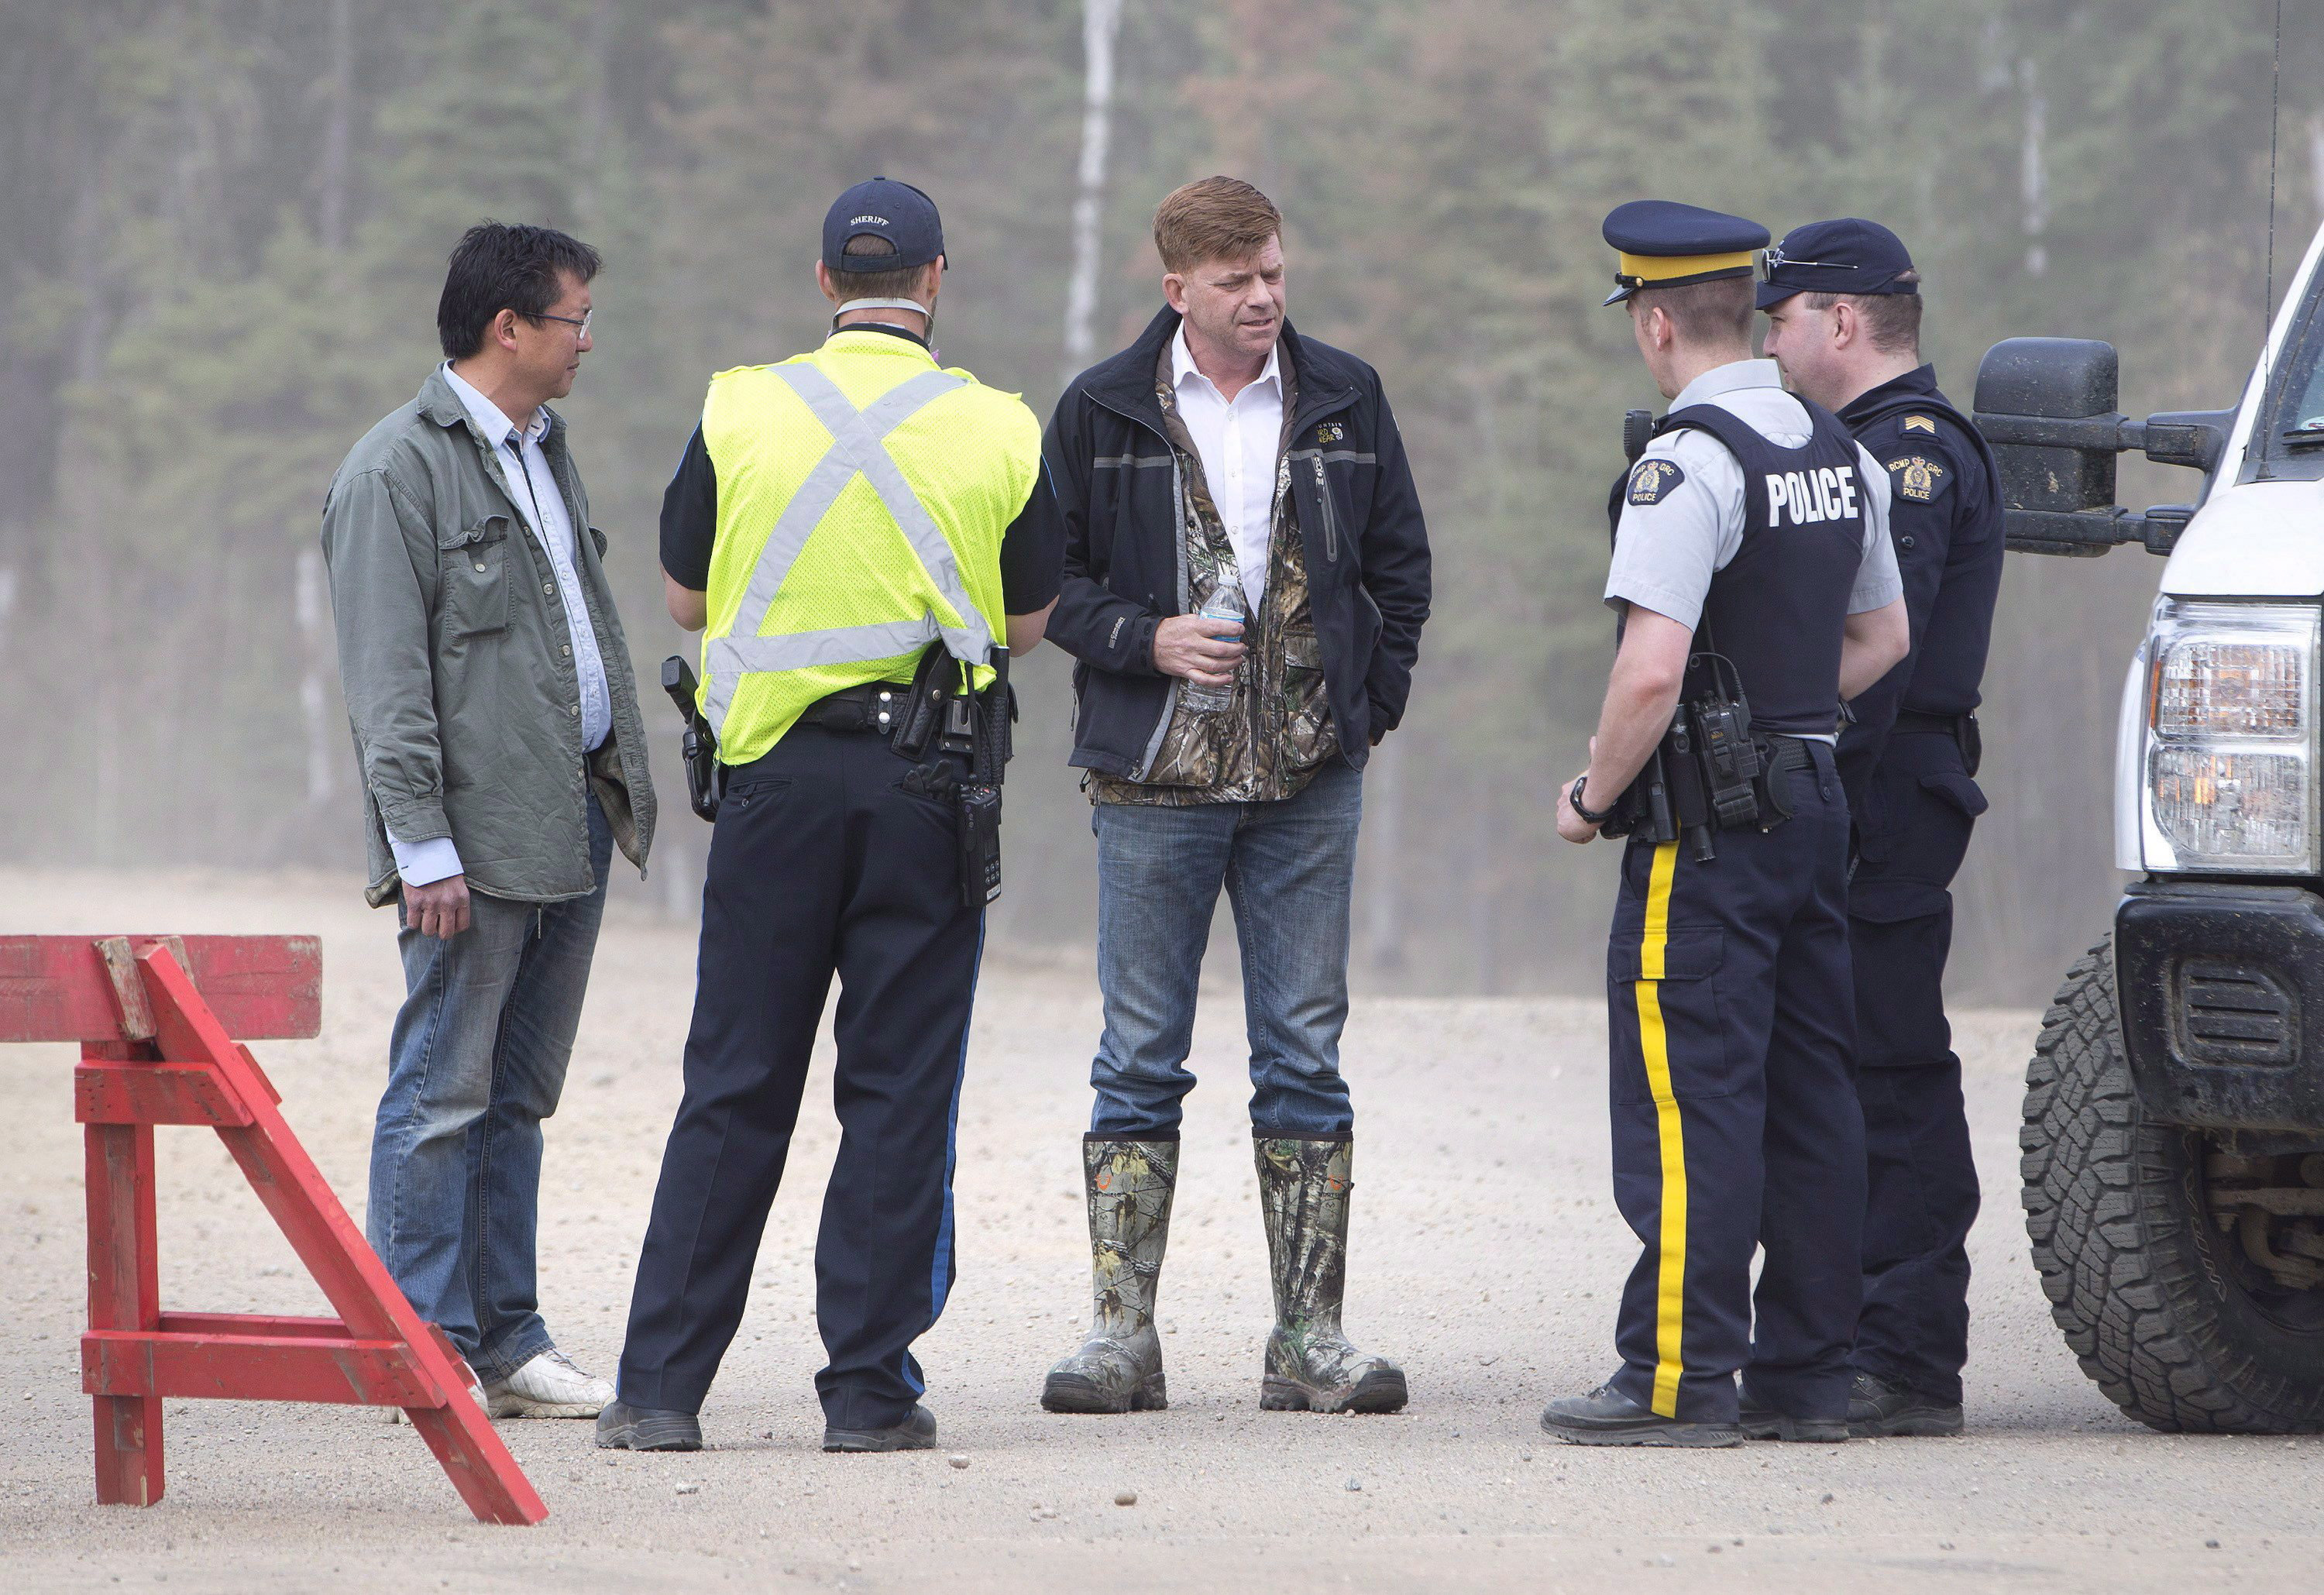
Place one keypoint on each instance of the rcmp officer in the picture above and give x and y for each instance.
(857, 528)
(1751, 566)
(1843, 307)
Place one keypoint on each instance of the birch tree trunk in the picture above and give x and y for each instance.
(1101, 22)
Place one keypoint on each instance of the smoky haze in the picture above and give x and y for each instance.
(223, 226)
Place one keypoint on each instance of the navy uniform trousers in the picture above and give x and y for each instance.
(821, 863)
(1912, 829)
(1735, 1127)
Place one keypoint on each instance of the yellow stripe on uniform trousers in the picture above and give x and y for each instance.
(1654, 1044)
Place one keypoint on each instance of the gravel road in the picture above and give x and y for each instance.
(1486, 1255)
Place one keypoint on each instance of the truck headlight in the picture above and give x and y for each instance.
(2230, 737)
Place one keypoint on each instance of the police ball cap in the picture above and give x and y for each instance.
(887, 208)
(1845, 256)
(1664, 243)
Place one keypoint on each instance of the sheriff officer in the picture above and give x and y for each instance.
(1754, 529)
(835, 515)
(1843, 307)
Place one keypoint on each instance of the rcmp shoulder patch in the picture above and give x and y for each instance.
(1921, 423)
(1917, 478)
(1652, 479)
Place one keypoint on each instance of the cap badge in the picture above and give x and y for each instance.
(1650, 479)
(1916, 478)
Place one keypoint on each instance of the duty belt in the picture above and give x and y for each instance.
(875, 706)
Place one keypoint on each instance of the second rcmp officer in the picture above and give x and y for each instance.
(841, 522)
(1843, 306)
(1753, 572)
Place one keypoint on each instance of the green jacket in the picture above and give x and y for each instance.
(457, 665)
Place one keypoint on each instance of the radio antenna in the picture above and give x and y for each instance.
(2274, 119)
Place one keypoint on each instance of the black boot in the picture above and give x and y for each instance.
(918, 1432)
(1878, 1410)
(624, 1427)
(1765, 1423)
(1607, 1417)
(1302, 1194)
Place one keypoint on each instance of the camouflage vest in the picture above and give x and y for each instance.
(1268, 742)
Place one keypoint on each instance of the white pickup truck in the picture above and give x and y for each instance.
(2174, 1134)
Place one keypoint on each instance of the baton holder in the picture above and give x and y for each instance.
(157, 1019)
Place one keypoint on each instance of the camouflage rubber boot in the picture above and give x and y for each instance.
(1119, 1368)
(1302, 1194)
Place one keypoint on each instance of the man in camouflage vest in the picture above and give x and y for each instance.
(1223, 466)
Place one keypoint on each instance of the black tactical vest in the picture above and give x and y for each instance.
(1777, 609)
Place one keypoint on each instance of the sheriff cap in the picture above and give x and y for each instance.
(1665, 244)
(885, 208)
(1849, 256)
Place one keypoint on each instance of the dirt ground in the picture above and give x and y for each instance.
(1486, 1256)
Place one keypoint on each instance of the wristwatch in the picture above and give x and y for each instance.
(1574, 798)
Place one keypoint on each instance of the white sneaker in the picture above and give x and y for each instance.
(394, 1414)
(547, 1387)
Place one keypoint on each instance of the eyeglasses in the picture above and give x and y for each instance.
(581, 321)
(1772, 257)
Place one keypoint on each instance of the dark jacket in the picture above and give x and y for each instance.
(1117, 485)
(1945, 515)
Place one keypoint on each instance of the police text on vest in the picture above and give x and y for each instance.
(1812, 496)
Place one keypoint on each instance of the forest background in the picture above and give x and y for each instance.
(223, 226)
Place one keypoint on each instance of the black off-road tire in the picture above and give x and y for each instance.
(2153, 1301)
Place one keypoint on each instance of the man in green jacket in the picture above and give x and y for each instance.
(503, 759)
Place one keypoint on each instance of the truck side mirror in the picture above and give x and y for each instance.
(2071, 470)
(2047, 407)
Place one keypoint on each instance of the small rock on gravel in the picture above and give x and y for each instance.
(957, 1460)
(1355, 1484)
(686, 1489)
(1125, 1497)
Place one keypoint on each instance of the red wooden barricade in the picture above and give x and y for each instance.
(157, 1019)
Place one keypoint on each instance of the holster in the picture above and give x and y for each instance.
(978, 727)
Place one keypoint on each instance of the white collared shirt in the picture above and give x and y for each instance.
(1239, 443)
(532, 487)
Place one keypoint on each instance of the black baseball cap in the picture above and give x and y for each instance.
(885, 208)
(1850, 255)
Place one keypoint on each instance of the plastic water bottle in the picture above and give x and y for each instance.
(1224, 603)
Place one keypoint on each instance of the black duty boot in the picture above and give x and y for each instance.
(1302, 1194)
(624, 1427)
(1765, 1423)
(1607, 1417)
(1119, 1368)
(918, 1432)
(1878, 1410)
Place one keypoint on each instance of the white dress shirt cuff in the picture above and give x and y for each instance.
(423, 864)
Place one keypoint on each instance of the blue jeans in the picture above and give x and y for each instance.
(475, 1062)
(1288, 868)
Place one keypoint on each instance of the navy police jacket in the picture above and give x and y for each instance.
(1944, 516)
(1358, 516)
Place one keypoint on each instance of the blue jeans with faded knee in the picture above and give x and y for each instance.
(1288, 868)
(476, 1061)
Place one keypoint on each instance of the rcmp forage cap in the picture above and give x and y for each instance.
(1850, 255)
(885, 208)
(1665, 244)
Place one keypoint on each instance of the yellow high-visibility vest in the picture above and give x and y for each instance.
(863, 496)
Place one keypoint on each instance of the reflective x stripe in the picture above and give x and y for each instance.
(857, 448)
